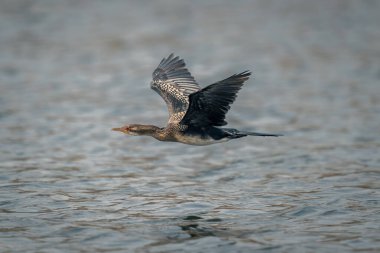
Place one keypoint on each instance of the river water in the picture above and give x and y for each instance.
(72, 70)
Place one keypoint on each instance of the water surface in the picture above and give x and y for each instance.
(72, 70)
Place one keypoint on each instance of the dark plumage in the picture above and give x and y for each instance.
(195, 114)
(208, 107)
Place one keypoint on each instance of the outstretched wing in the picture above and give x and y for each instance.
(208, 107)
(174, 83)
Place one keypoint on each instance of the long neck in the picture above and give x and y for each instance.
(150, 130)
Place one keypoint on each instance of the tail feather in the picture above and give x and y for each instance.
(260, 134)
(234, 133)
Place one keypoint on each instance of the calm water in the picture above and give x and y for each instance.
(72, 70)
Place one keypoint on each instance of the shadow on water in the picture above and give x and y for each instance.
(196, 227)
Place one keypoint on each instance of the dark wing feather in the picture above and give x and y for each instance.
(208, 107)
(174, 83)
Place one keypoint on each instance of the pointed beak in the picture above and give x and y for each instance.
(117, 129)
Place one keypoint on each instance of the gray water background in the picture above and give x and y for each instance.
(72, 70)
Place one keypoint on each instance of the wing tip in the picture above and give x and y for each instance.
(244, 75)
(172, 61)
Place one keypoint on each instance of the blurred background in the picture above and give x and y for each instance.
(71, 70)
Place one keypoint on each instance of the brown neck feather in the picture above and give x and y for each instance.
(161, 134)
(147, 130)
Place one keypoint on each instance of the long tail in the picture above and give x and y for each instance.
(259, 134)
(234, 133)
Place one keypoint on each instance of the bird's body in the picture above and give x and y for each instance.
(195, 114)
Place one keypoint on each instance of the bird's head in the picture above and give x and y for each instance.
(128, 129)
(136, 129)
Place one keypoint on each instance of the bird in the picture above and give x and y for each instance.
(196, 115)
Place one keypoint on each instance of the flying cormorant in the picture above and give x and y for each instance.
(195, 114)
